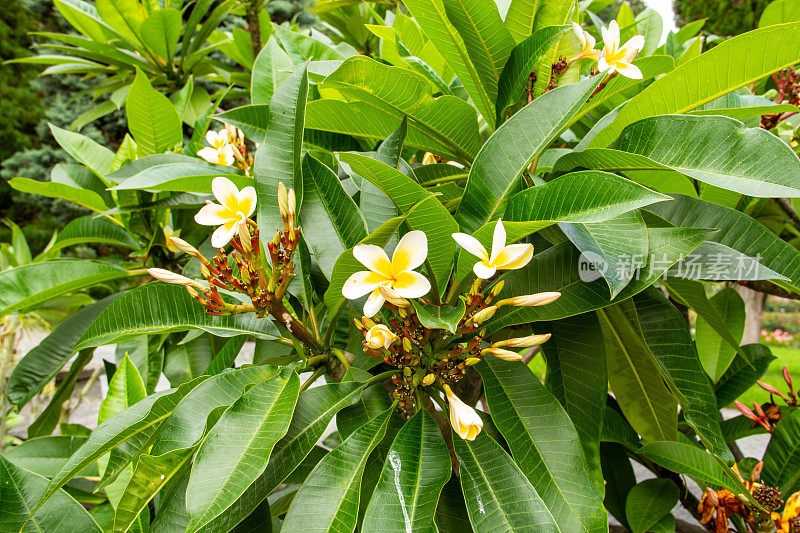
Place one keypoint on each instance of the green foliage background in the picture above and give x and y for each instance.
(725, 17)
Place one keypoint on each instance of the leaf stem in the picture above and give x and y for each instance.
(314, 377)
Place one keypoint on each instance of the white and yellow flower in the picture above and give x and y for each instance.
(587, 44)
(220, 152)
(380, 336)
(463, 418)
(169, 234)
(616, 58)
(236, 206)
(503, 257)
(397, 274)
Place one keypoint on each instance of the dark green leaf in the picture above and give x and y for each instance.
(648, 502)
(440, 316)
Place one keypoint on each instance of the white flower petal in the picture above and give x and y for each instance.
(613, 35)
(411, 284)
(212, 138)
(629, 70)
(512, 254)
(410, 252)
(373, 304)
(374, 258)
(484, 269)
(602, 65)
(213, 215)
(632, 47)
(472, 245)
(522, 259)
(226, 192)
(498, 240)
(223, 234)
(361, 283)
(247, 201)
(209, 154)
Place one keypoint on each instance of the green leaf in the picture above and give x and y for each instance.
(174, 173)
(19, 491)
(522, 61)
(544, 443)
(269, 70)
(432, 17)
(738, 231)
(181, 429)
(278, 156)
(330, 219)
(124, 390)
(41, 364)
(150, 475)
(734, 63)
(713, 261)
(50, 189)
(159, 307)
(492, 484)
(90, 230)
(520, 17)
(669, 340)
(555, 13)
(619, 478)
(693, 461)
(137, 419)
(576, 375)
(743, 373)
(755, 162)
(451, 512)
(226, 356)
(28, 286)
(412, 478)
(328, 500)
(46, 455)
(496, 174)
(314, 411)
(634, 376)
(779, 12)
(161, 32)
(424, 212)
(448, 121)
(152, 119)
(444, 317)
(236, 452)
(84, 150)
(715, 354)
(742, 106)
(649, 502)
(125, 16)
(486, 40)
(558, 269)
(47, 421)
(782, 457)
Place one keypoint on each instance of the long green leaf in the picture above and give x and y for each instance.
(268, 72)
(328, 500)
(84, 150)
(755, 162)
(89, 230)
(412, 478)
(695, 462)
(576, 376)
(85, 198)
(544, 443)
(648, 502)
(498, 495)
(782, 458)
(158, 307)
(19, 491)
(715, 354)
(743, 373)
(46, 455)
(236, 452)
(496, 174)
(26, 287)
(152, 119)
(734, 63)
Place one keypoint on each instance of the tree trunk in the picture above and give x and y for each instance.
(754, 307)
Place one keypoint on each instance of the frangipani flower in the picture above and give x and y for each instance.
(587, 44)
(380, 336)
(503, 257)
(236, 207)
(463, 418)
(220, 152)
(789, 522)
(618, 59)
(397, 274)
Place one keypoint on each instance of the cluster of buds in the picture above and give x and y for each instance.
(790, 398)
(769, 413)
(722, 505)
(788, 83)
(227, 147)
(250, 275)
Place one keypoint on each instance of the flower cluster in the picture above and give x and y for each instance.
(769, 414)
(227, 147)
(721, 505)
(777, 337)
(434, 359)
(613, 57)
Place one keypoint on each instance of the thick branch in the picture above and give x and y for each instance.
(769, 288)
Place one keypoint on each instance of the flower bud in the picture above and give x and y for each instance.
(530, 300)
(171, 277)
(483, 315)
(283, 200)
(406, 344)
(428, 380)
(292, 205)
(497, 288)
(380, 336)
(523, 342)
(368, 323)
(500, 353)
(469, 361)
(245, 238)
(392, 297)
(185, 247)
(770, 389)
(463, 418)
